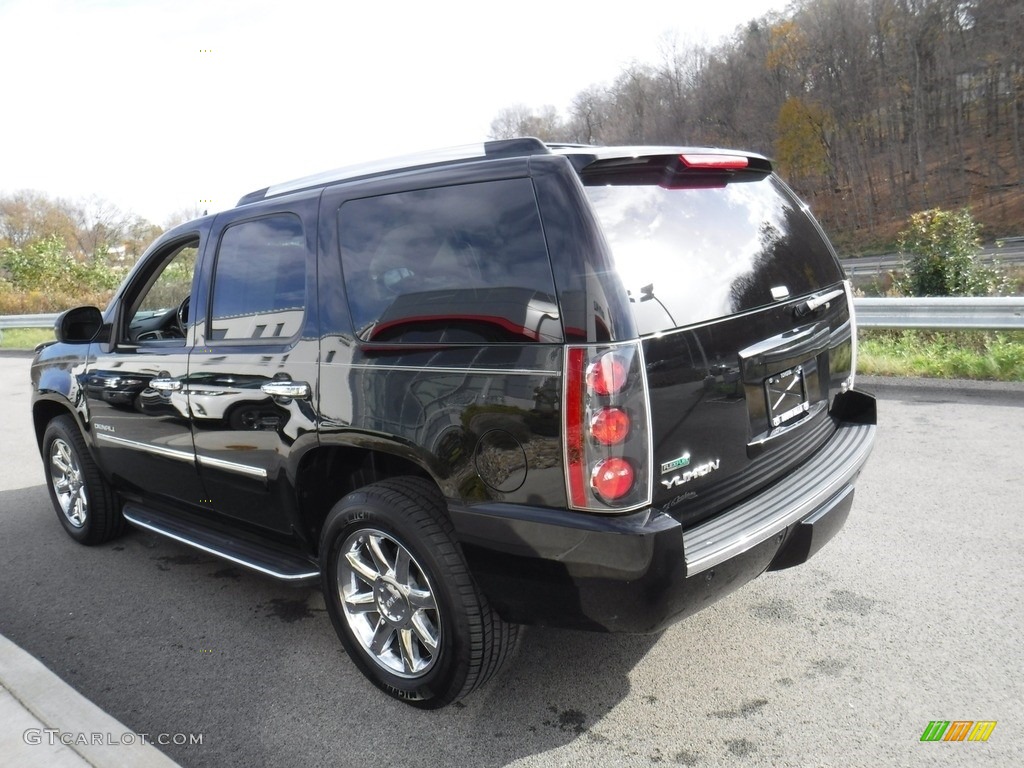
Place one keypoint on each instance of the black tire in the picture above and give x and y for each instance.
(415, 623)
(85, 503)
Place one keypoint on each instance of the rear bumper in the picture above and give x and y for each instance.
(642, 572)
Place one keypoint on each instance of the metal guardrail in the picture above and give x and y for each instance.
(27, 321)
(946, 313)
(942, 313)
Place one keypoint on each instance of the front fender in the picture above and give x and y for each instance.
(58, 387)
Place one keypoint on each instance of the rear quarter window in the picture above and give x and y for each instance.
(460, 264)
(689, 255)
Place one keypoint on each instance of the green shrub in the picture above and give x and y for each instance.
(942, 246)
(44, 276)
(46, 265)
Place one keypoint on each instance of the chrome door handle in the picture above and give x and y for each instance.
(165, 385)
(289, 389)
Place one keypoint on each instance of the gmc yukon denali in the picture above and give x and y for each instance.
(585, 387)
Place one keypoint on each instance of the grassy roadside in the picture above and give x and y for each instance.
(24, 338)
(912, 354)
(988, 355)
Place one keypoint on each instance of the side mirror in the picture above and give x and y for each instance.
(79, 325)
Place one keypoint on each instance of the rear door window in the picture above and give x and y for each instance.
(689, 255)
(460, 264)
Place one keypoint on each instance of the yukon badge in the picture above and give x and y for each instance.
(681, 479)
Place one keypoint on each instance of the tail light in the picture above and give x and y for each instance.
(606, 375)
(607, 429)
(610, 426)
(612, 479)
(717, 161)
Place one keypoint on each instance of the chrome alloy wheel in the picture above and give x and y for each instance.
(388, 603)
(66, 476)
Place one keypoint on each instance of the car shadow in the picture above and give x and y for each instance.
(171, 640)
(557, 689)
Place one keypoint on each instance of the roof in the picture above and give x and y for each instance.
(489, 150)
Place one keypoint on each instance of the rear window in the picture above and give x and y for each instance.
(460, 264)
(689, 255)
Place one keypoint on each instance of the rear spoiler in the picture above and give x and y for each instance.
(680, 170)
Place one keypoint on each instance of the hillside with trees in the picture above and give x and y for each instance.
(872, 109)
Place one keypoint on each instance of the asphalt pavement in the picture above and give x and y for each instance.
(912, 614)
(44, 722)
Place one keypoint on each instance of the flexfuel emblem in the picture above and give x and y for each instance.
(679, 463)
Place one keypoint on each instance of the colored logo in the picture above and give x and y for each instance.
(679, 463)
(958, 730)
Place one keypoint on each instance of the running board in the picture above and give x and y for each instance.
(291, 568)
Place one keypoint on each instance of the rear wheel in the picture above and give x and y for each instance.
(85, 504)
(402, 599)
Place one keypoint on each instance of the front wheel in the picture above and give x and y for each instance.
(401, 597)
(85, 504)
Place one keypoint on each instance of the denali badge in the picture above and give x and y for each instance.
(699, 471)
(679, 463)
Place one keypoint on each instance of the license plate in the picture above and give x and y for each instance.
(786, 394)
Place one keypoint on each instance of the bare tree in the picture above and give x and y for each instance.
(518, 120)
(509, 122)
(182, 215)
(27, 216)
(588, 116)
(99, 226)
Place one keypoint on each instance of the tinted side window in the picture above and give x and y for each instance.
(259, 283)
(461, 264)
(688, 255)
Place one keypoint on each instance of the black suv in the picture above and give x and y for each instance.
(510, 384)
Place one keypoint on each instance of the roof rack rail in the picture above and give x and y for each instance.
(517, 147)
(570, 145)
(501, 148)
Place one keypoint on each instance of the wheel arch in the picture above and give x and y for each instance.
(330, 472)
(46, 410)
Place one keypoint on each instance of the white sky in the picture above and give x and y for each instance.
(119, 99)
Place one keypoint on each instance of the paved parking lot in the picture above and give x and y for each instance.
(912, 614)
